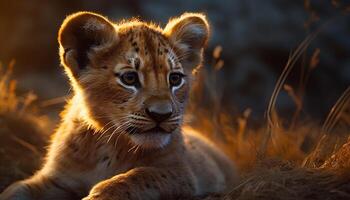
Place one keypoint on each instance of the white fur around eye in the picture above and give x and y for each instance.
(129, 87)
(173, 89)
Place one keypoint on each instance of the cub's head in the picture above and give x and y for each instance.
(133, 78)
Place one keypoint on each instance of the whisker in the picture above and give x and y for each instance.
(102, 134)
(121, 122)
(106, 131)
(115, 130)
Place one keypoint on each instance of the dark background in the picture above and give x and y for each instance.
(257, 38)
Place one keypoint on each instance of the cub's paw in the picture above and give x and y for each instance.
(100, 196)
(109, 191)
(16, 191)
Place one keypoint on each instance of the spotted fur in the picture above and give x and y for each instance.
(103, 148)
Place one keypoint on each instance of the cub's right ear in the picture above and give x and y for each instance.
(80, 35)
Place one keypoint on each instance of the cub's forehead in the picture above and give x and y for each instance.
(145, 48)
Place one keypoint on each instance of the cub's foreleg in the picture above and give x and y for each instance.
(58, 179)
(38, 187)
(145, 183)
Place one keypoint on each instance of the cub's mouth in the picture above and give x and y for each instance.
(153, 138)
(155, 130)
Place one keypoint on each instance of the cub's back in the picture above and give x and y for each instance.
(209, 164)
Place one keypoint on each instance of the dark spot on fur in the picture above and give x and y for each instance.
(163, 176)
(134, 44)
(190, 186)
(99, 145)
(172, 175)
(134, 179)
(128, 194)
(166, 50)
(147, 185)
(170, 63)
(137, 49)
(109, 163)
(74, 147)
(104, 67)
(105, 158)
(137, 63)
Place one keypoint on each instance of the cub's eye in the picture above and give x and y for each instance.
(175, 79)
(130, 79)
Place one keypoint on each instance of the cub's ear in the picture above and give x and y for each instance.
(80, 35)
(189, 33)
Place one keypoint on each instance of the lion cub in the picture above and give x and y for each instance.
(120, 135)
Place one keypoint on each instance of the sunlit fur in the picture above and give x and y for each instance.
(104, 146)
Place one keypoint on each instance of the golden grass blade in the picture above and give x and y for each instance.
(271, 110)
(325, 145)
(336, 112)
(280, 82)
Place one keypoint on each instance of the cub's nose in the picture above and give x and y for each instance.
(159, 111)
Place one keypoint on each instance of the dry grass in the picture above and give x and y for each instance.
(304, 160)
(23, 131)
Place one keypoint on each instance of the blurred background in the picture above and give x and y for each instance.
(255, 38)
(251, 43)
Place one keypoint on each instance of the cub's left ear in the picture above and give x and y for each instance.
(189, 33)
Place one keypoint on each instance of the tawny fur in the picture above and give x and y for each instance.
(102, 149)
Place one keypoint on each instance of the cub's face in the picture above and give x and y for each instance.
(134, 77)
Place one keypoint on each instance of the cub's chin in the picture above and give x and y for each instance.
(151, 139)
